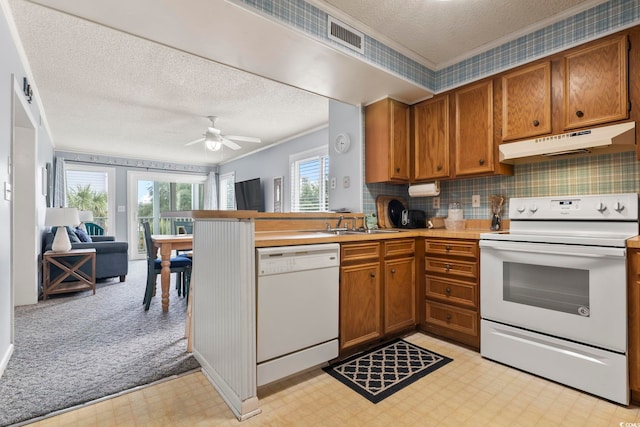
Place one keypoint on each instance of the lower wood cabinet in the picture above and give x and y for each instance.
(633, 295)
(451, 290)
(377, 290)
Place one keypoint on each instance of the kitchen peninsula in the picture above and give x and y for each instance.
(224, 277)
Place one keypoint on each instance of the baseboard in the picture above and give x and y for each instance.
(5, 359)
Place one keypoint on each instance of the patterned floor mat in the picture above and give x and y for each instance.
(382, 371)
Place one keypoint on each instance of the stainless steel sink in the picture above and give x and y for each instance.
(341, 232)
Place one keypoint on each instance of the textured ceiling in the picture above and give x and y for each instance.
(106, 91)
(443, 32)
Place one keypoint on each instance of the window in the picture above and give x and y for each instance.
(309, 180)
(91, 188)
(227, 194)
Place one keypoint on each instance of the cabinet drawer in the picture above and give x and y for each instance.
(451, 267)
(452, 291)
(454, 247)
(453, 318)
(359, 251)
(399, 247)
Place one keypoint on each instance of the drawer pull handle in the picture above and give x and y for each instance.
(448, 290)
(372, 274)
(448, 317)
(579, 113)
(536, 123)
(447, 267)
(447, 248)
(481, 161)
(439, 168)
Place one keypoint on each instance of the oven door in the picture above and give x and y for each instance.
(573, 292)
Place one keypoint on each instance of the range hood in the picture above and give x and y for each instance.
(602, 140)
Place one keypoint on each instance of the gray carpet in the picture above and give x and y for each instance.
(79, 347)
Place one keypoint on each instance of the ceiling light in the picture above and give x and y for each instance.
(213, 141)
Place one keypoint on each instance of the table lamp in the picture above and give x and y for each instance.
(61, 217)
(85, 216)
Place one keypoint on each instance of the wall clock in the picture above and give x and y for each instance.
(342, 143)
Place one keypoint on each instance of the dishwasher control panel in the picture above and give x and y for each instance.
(285, 259)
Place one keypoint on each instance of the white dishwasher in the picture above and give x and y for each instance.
(297, 308)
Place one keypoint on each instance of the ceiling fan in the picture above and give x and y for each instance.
(214, 139)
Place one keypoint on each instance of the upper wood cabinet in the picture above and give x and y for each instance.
(387, 141)
(526, 102)
(431, 139)
(474, 145)
(596, 83)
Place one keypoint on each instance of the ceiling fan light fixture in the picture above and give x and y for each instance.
(213, 142)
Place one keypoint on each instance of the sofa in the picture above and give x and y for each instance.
(112, 259)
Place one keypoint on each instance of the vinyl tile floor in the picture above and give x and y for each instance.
(470, 391)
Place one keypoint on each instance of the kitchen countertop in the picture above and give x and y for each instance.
(634, 242)
(286, 238)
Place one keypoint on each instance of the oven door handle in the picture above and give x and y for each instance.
(593, 251)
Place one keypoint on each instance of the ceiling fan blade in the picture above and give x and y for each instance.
(244, 138)
(194, 142)
(231, 144)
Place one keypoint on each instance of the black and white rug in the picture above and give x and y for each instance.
(382, 371)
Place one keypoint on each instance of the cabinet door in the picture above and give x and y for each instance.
(595, 84)
(399, 141)
(526, 102)
(360, 304)
(474, 129)
(399, 294)
(387, 142)
(431, 139)
(634, 322)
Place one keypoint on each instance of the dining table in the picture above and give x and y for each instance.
(165, 244)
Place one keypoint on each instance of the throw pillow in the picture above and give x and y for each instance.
(73, 238)
(82, 235)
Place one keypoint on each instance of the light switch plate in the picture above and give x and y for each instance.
(436, 203)
(475, 201)
(122, 208)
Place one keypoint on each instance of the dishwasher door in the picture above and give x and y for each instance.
(297, 299)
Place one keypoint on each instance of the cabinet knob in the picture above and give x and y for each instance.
(448, 317)
(372, 274)
(447, 267)
(579, 113)
(397, 170)
(447, 248)
(481, 161)
(439, 167)
(536, 123)
(448, 290)
(393, 271)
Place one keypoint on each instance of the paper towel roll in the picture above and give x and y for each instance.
(424, 190)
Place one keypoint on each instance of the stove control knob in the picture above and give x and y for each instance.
(533, 208)
(520, 209)
(601, 207)
(618, 207)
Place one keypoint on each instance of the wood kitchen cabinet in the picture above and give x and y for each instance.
(596, 83)
(387, 141)
(633, 295)
(399, 285)
(473, 134)
(526, 102)
(452, 290)
(375, 305)
(360, 294)
(431, 139)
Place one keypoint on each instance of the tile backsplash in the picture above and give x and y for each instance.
(609, 173)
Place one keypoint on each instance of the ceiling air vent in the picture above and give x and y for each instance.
(345, 35)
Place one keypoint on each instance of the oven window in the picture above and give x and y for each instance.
(553, 288)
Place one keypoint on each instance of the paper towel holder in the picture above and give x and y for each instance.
(425, 190)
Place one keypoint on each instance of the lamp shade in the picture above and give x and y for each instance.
(61, 217)
(85, 216)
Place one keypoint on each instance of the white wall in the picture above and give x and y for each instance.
(11, 64)
(273, 162)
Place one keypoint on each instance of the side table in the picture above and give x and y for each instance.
(69, 263)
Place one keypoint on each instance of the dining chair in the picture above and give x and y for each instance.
(94, 229)
(181, 265)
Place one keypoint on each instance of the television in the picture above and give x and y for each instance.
(249, 195)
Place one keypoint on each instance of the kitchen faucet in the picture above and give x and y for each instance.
(339, 221)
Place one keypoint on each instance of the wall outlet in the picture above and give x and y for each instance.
(475, 201)
(436, 203)
(332, 183)
(346, 181)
